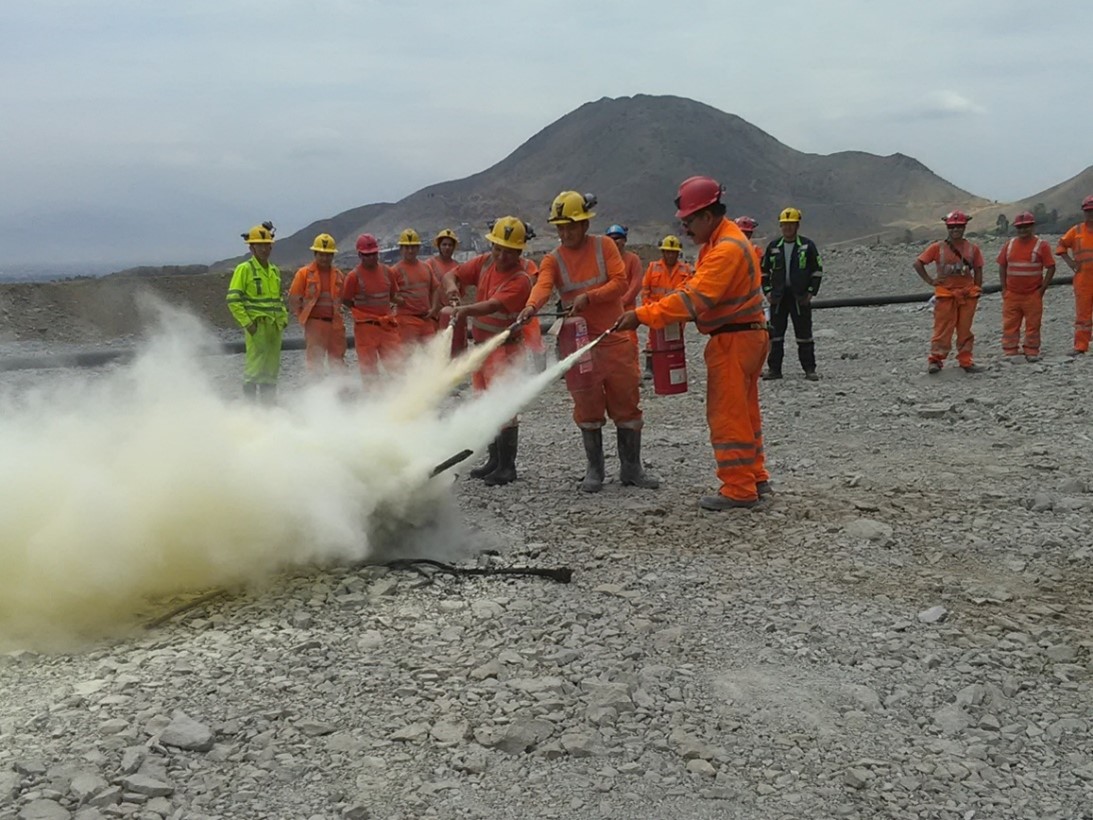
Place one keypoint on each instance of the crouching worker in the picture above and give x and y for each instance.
(501, 283)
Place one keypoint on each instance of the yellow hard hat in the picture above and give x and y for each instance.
(324, 243)
(409, 237)
(508, 232)
(790, 215)
(670, 243)
(258, 235)
(570, 206)
(447, 233)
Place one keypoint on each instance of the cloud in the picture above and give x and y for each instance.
(947, 104)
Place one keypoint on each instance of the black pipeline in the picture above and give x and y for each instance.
(97, 358)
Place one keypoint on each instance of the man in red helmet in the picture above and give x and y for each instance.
(588, 272)
(747, 226)
(1079, 241)
(957, 288)
(369, 292)
(1025, 269)
(724, 298)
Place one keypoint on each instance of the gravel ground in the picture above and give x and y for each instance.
(902, 632)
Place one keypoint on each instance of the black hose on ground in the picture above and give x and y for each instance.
(908, 298)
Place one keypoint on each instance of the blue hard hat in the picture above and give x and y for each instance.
(618, 230)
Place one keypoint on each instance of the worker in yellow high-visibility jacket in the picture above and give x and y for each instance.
(254, 299)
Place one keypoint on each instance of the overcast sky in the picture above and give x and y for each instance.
(147, 132)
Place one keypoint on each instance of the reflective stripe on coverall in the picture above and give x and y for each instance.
(956, 297)
(658, 282)
(254, 295)
(370, 293)
(417, 286)
(726, 290)
(596, 268)
(319, 311)
(1079, 239)
(1022, 301)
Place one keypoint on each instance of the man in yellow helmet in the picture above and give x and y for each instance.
(417, 291)
(440, 263)
(792, 271)
(254, 299)
(663, 276)
(315, 298)
(590, 277)
(502, 283)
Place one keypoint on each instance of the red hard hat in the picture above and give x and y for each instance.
(746, 223)
(1024, 218)
(696, 193)
(366, 243)
(957, 218)
(1087, 203)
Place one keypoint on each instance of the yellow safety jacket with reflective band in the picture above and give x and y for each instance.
(255, 293)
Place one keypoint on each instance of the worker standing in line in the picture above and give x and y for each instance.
(442, 261)
(663, 276)
(747, 226)
(792, 271)
(1026, 267)
(418, 288)
(1079, 241)
(957, 288)
(369, 292)
(254, 299)
(502, 285)
(630, 260)
(724, 298)
(590, 278)
(315, 297)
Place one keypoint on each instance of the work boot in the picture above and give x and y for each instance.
(771, 375)
(812, 375)
(250, 391)
(267, 394)
(763, 489)
(631, 472)
(1076, 352)
(648, 374)
(719, 503)
(491, 462)
(1032, 358)
(506, 458)
(972, 368)
(593, 451)
(933, 368)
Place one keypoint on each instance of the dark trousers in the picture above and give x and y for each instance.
(781, 312)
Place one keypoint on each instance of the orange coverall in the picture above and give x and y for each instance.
(1022, 261)
(417, 294)
(512, 290)
(1079, 240)
(956, 298)
(724, 298)
(659, 281)
(370, 292)
(632, 263)
(596, 268)
(315, 297)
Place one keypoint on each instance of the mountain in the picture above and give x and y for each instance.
(1063, 201)
(632, 153)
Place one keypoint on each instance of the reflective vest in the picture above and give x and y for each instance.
(567, 288)
(664, 281)
(416, 289)
(494, 323)
(255, 293)
(372, 304)
(729, 309)
(1083, 249)
(949, 261)
(1026, 268)
(315, 297)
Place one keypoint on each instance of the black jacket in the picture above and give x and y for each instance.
(805, 269)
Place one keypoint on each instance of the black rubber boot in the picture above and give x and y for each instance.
(593, 451)
(648, 374)
(507, 444)
(631, 471)
(491, 462)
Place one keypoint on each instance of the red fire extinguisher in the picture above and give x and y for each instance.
(669, 360)
(459, 333)
(573, 337)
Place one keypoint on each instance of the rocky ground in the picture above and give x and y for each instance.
(902, 632)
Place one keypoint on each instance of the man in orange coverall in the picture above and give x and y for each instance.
(1025, 269)
(1079, 239)
(662, 277)
(590, 278)
(369, 292)
(724, 298)
(418, 301)
(502, 284)
(619, 234)
(315, 296)
(957, 288)
(747, 226)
